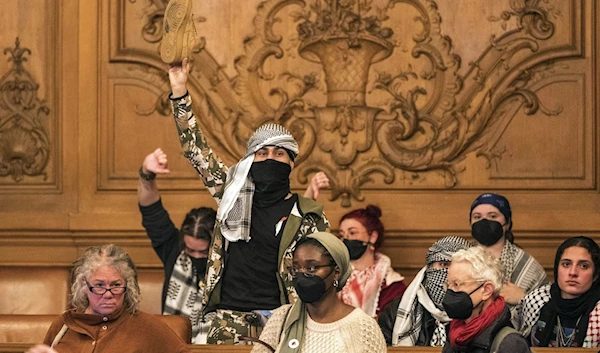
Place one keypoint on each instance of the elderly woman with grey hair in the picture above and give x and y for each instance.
(480, 316)
(319, 322)
(105, 314)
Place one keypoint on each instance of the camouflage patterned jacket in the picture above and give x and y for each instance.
(305, 218)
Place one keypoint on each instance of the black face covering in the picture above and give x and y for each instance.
(356, 248)
(310, 289)
(199, 265)
(271, 181)
(458, 305)
(487, 232)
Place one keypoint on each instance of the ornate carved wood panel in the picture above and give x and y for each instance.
(387, 94)
(28, 104)
(38, 117)
(415, 105)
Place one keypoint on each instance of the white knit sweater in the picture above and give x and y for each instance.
(355, 333)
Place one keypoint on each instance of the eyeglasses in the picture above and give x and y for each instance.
(308, 271)
(102, 290)
(456, 284)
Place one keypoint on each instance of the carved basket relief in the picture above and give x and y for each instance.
(24, 142)
(370, 105)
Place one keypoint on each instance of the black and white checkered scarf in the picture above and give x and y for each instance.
(426, 293)
(183, 297)
(234, 212)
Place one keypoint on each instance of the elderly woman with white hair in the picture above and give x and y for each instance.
(480, 316)
(105, 315)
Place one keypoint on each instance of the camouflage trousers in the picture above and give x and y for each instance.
(232, 327)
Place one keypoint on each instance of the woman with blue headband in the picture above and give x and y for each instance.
(491, 227)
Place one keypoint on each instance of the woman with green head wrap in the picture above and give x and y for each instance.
(318, 321)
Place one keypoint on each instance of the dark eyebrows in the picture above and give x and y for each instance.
(579, 262)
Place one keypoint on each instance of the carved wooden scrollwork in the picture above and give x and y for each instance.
(432, 117)
(24, 142)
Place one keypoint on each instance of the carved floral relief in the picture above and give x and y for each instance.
(24, 142)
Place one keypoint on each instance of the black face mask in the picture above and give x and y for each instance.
(458, 305)
(356, 248)
(271, 181)
(487, 232)
(310, 289)
(199, 265)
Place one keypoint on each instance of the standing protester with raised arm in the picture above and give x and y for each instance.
(183, 252)
(259, 220)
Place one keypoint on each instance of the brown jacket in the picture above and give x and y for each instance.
(116, 333)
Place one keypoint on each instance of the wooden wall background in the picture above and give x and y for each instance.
(416, 106)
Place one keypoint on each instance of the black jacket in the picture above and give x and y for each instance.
(164, 237)
(512, 343)
(387, 319)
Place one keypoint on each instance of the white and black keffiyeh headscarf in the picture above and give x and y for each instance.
(183, 297)
(426, 293)
(234, 212)
(441, 250)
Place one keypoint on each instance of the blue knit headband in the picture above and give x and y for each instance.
(498, 201)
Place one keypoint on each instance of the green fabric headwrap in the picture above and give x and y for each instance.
(295, 324)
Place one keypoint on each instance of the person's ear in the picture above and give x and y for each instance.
(291, 163)
(373, 237)
(337, 273)
(488, 291)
